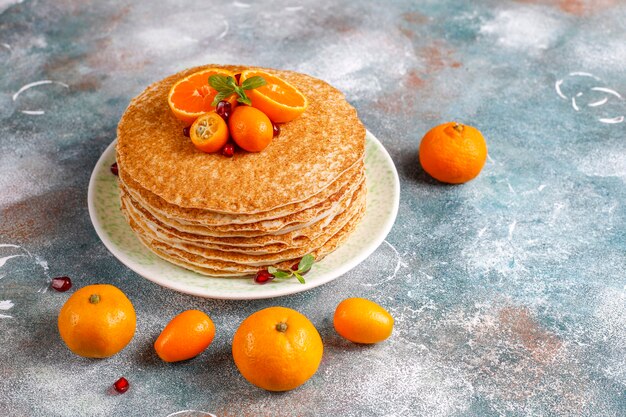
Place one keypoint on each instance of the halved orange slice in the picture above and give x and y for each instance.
(279, 100)
(192, 96)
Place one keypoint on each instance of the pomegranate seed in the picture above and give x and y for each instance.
(121, 385)
(228, 150)
(294, 267)
(61, 284)
(276, 129)
(263, 277)
(237, 77)
(114, 169)
(186, 131)
(224, 109)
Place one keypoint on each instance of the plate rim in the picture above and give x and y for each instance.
(277, 292)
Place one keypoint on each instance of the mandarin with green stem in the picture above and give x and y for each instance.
(277, 349)
(97, 321)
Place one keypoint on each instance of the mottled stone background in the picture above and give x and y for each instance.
(509, 292)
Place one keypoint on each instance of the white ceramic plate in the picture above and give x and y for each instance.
(383, 196)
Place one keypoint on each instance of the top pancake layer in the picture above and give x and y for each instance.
(308, 155)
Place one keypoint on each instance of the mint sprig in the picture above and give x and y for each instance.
(226, 86)
(304, 266)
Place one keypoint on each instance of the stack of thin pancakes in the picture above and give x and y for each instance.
(224, 217)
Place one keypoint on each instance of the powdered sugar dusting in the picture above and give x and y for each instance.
(427, 388)
(6, 258)
(612, 52)
(399, 264)
(525, 28)
(611, 315)
(17, 186)
(191, 413)
(590, 90)
(348, 64)
(24, 253)
(609, 162)
(6, 305)
(5, 4)
(33, 85)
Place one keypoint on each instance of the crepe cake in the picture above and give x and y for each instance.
(228, 217)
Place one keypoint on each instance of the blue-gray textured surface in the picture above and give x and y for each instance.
(509, 292)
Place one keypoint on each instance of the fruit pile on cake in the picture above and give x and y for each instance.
(229, 170)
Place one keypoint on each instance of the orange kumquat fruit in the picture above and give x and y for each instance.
(209, 133)
(186, 336)
(362, 321)
(250, 128)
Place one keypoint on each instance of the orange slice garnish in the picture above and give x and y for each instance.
(279, 100)
(192, 96)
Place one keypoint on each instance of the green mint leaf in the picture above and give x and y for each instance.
(300, 278)
(278, 273)
(225, 87)
(281, 274)
(220, 82)
(244, 99)
(306, 263)
(232, 82)
(253, 82)
(239, 91)
(222, 95)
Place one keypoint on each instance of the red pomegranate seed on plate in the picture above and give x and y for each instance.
(263, 277)
(228, 150)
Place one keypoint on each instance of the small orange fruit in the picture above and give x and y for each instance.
(281, 101)
(453, 153)
(192, 96)
(186, 336)
(277, 349)
(362, 321)
(250, 128)
(209, 133)
(97, 321)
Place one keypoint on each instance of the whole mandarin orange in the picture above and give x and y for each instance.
(185, 336)
(250, 128)
(453, 153)
(277, 349)
(97, 321)
(362, 321)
